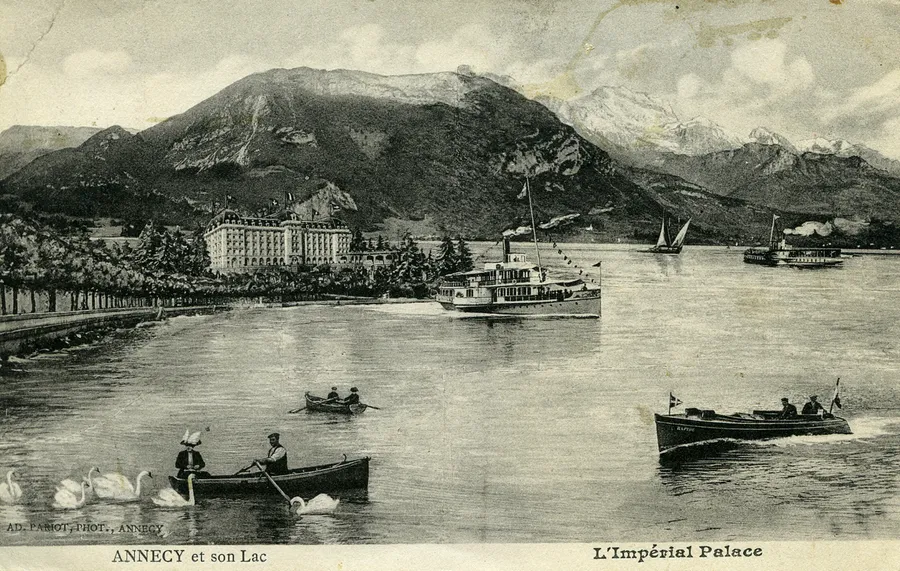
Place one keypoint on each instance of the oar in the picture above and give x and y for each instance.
(307, 406)
(244, 469)
(370, 406)
(271, 481)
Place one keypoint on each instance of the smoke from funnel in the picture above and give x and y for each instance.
(810, 228)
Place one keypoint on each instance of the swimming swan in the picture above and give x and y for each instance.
(116, 487)
(321, 504)
(10, 492)
(169, 498)
(66, 500)
(75, 487)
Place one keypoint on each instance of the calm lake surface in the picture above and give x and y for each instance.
(489, 430)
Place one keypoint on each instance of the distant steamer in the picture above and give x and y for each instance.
(781, 254)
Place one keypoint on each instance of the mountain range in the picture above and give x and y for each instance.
(21, 144)
(448, 153)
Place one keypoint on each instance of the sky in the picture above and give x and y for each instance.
(801, 68)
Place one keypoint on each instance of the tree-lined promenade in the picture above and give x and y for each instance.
(42, 271)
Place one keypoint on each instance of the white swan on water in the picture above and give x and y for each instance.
(66, 500)
(321, 504)
(116, 487)
(75, 487)
(10, 492)
(169, 498)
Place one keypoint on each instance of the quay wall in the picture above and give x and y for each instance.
(24, 333)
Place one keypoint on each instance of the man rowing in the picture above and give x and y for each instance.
(352, 398)
(276, 461)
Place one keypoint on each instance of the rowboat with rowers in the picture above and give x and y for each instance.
(319, 404)
(306, 482)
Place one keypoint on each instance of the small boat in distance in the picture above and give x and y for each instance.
(667, 245)
(779, 253)
(309, 481)
(319, 404)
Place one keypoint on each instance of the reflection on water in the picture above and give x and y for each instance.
(488, 430)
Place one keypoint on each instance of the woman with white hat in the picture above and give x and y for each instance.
(189, 461)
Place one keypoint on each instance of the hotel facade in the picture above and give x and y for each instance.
(239, 244)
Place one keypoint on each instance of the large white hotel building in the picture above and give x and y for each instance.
(242, 244)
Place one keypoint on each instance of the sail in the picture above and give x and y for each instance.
(679, 239)
(662, 241)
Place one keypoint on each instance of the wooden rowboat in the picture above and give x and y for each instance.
(317, 404)
(304, 482)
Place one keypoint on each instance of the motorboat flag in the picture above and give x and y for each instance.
(673, 400)
(836, 399)
(524, 192)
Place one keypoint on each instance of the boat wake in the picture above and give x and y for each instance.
(411, 309)
(863, 429)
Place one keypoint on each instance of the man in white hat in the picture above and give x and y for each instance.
(189, 461)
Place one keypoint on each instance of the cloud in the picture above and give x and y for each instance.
(765, 62)
(688, 86)
(883, 95)
(637, 62)
(94, 62)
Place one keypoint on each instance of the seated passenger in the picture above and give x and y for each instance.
(353, 398)
(788, 410)
(813, 406)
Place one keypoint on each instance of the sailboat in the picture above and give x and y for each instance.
(665, 245)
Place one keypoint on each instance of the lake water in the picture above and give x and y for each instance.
(489, 430)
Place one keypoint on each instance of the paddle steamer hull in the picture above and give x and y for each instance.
(304, 482)
(678, 430)
(794, 258)
(577, 305)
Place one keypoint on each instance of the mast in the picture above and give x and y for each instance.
(772, 232)
(534, 230)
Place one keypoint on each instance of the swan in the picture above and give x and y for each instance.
(10, 492)
(169, 498)
(66, 500)
(75, 487)
(116, 487)
(321, 504)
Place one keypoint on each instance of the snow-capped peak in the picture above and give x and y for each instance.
(764, 136)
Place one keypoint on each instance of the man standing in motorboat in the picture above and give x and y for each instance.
(787, 409)
(813, 406)
(276, 462)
